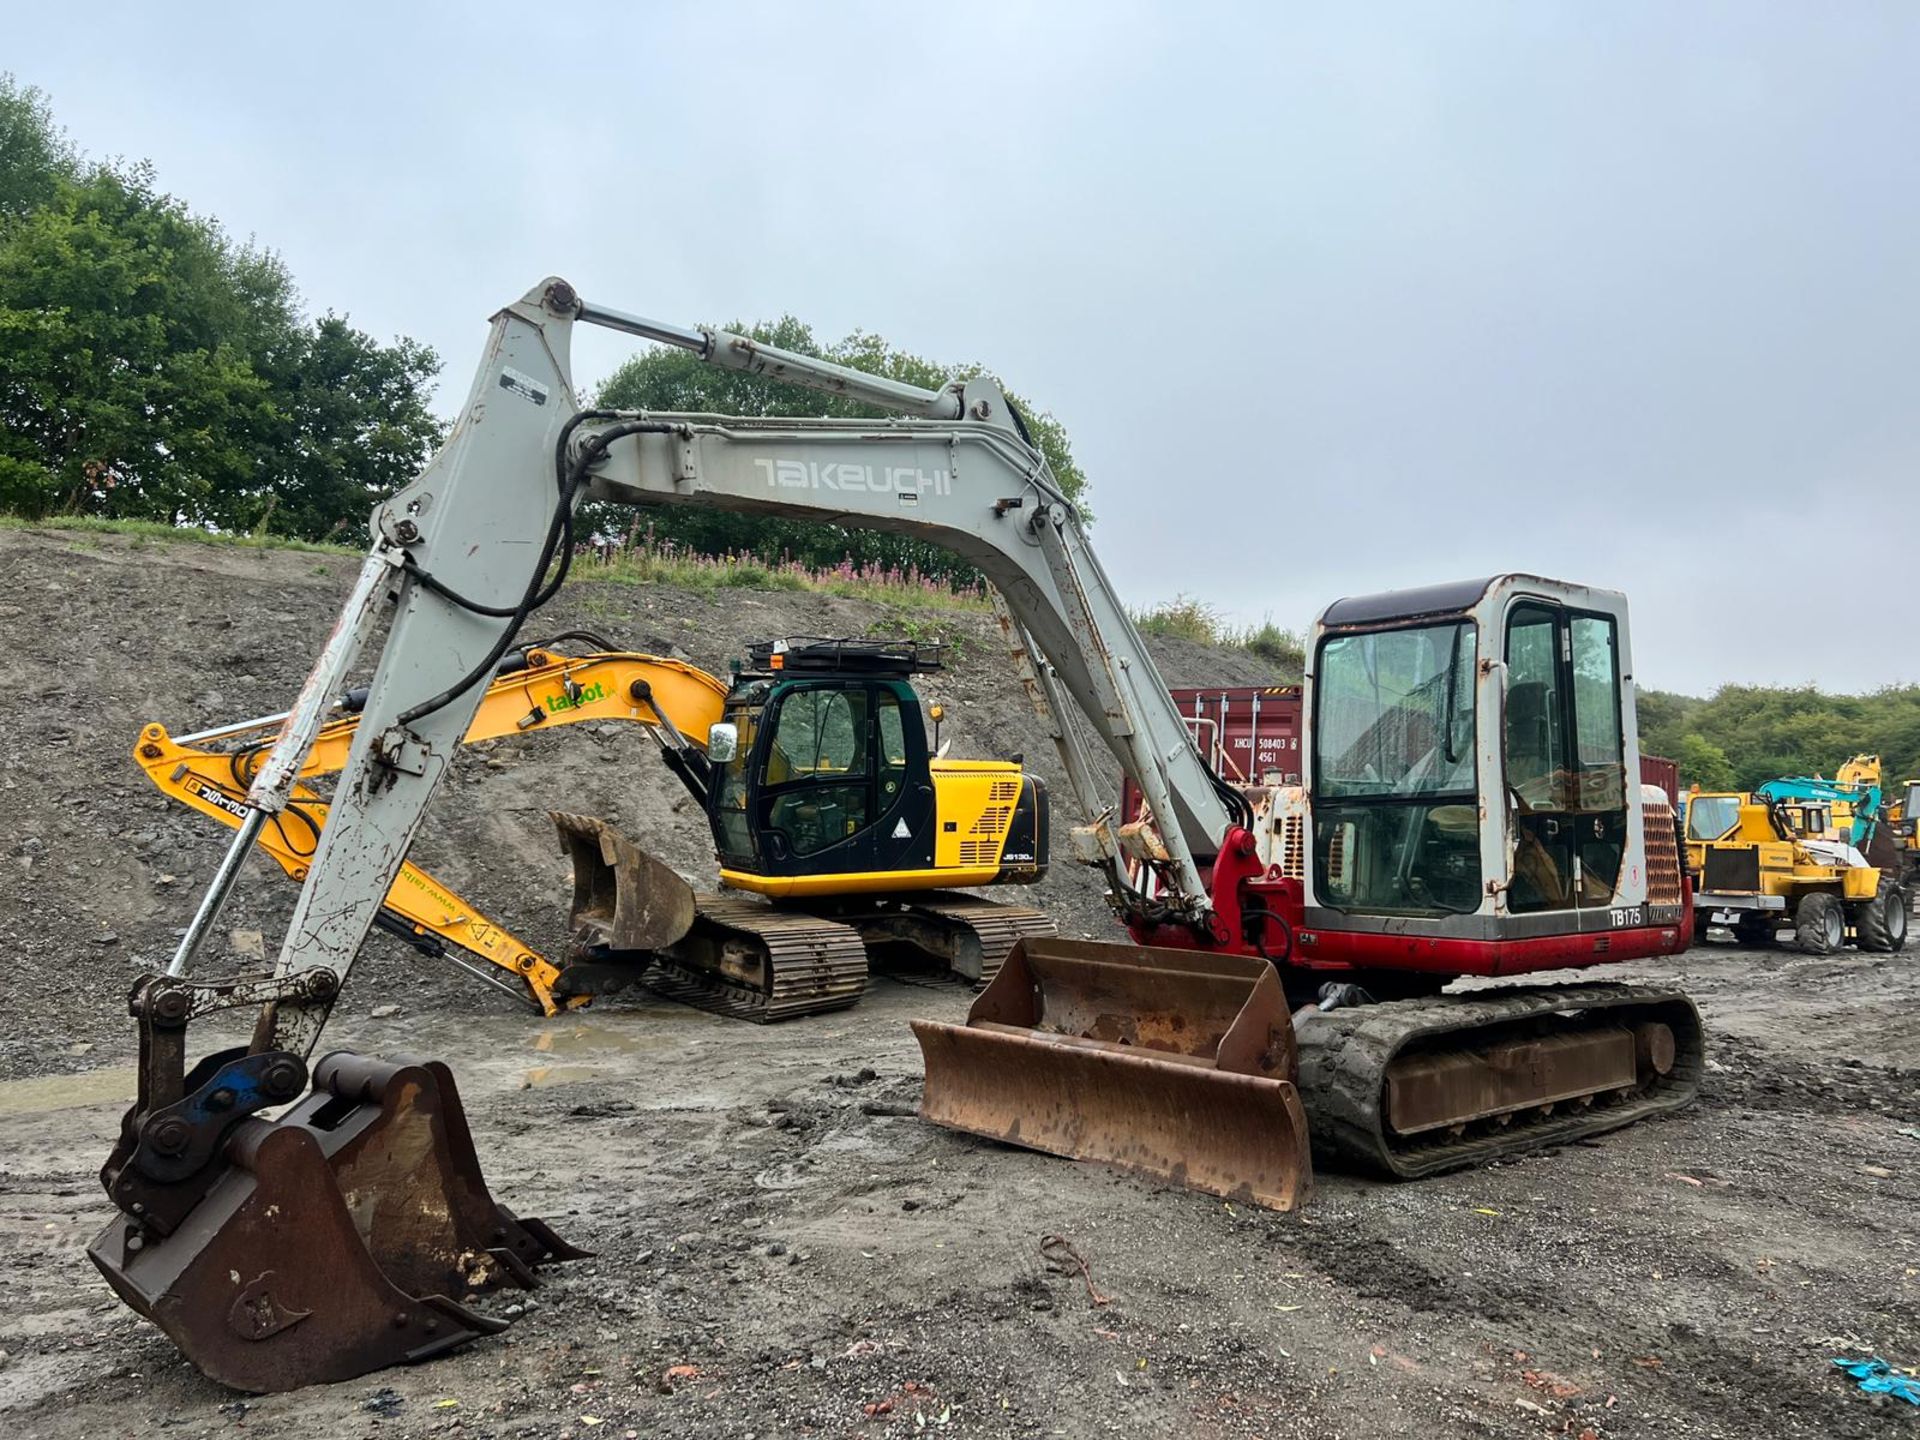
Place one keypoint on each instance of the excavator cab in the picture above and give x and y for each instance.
(822, 781)
(829, 777)
(1471, 747)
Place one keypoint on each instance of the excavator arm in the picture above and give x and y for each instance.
(957, 468)
(1863, 796)
(538, 688)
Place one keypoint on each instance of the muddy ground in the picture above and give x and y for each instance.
(780, 1251)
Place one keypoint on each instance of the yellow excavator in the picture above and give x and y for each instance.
(794, 763)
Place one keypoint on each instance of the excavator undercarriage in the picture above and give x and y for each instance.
(1415, 1087)
(733, 953)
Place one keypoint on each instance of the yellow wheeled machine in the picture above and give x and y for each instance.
(1762, 865)
(1903, 830)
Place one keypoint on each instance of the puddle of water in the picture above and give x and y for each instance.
(44, 1094)
(579, 1041)
(582, 1051)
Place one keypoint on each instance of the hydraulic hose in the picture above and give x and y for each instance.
(559, 538)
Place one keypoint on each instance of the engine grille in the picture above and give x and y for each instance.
(1735, 869)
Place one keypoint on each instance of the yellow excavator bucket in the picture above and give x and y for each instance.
(1173, 1063)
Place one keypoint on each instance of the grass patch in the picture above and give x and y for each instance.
(143, 530)
(1182, 618)
(1286, 648)
(1185, 618)
(645, 562)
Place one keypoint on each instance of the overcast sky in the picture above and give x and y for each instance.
(1331, 299)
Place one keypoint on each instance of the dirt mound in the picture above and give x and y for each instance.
(98, 872)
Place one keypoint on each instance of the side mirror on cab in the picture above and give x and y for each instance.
(723, 742)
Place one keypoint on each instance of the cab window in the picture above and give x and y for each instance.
(818, 765)
(733, 792)
(1709, 817)
(893, 746)
(1565, 758)
(1395, 811)
(821, 734)
(1536, 740)
(1596, 713)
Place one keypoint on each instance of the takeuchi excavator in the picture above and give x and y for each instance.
(1470, 808)
(794, 763)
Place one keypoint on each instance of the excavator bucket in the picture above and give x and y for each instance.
(1173, 1063)
(334, 1241)
(623, 898)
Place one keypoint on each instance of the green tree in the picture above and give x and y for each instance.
(120, 391)
(674, 380)
(1704, 763)
(1745, 735)
(34, 153)
(1663, 720)
(151, 368)
(350, 426)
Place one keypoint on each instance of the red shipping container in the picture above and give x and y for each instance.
(1250, 734)
(1664, 773)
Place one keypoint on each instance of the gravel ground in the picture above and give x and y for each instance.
(779, 1251)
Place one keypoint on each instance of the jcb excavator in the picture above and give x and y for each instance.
(793, 764)
(1468, 811)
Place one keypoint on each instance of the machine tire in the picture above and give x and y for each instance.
(1881, 923)
(1819, 923)
(1753, 929)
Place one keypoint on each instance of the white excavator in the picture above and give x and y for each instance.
(1471, 808)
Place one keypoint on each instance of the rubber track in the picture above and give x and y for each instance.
(1344, 1056)
(818, 965)
(995, 926)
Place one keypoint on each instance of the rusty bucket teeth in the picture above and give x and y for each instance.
(334, 1240)
(623, 898)
(1168, 1063)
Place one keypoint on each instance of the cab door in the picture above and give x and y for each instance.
(842, 773)
(1564, 757)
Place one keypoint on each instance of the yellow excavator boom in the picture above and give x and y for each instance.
(553, 689)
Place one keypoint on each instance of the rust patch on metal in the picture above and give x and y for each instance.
(1432, 1092)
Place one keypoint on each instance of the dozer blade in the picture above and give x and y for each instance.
(623, 898)
(1172, 1063)
(335, 1240)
